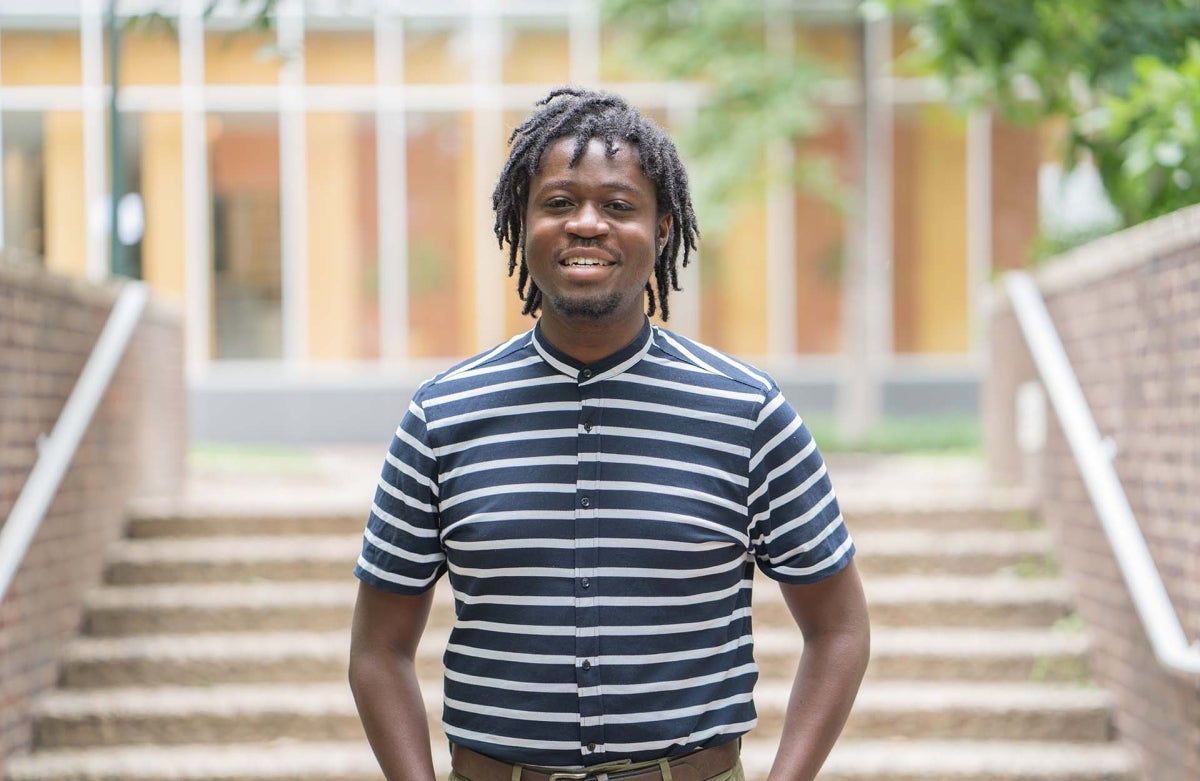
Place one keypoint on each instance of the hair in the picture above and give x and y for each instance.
(570, 112)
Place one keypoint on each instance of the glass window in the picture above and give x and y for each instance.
(930, 231)
(441, 209)
(339, 57)
(149, 55)
(246, 284)
(536, 50)
(437, 51)
(40, 57)
(343, 293)
(24, 184)
(234, 56)
(822, 243)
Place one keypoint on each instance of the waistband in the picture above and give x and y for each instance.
(697, 766)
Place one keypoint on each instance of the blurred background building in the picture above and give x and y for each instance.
(316, 196)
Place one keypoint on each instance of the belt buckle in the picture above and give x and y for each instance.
(571, 776)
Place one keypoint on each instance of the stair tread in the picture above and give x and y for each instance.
(987, 588)
(932, 640)
(330, 546)
(297, 759)
(335, 697)
(1030, 759)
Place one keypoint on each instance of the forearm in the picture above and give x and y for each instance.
(388, 696)
(831, 669)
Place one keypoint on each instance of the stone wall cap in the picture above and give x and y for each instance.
(1112, 254)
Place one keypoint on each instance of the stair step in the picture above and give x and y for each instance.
(247, 657)
(979, 760)
(945, 510)
(325, 711)
(267, 516)
(327, 605)
(851, 760)
(234, 558)
(332, 557)
(972, 552)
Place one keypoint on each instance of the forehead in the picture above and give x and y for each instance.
(563, 158)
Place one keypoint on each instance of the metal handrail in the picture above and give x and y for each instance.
(1150, 597)
(56, 451)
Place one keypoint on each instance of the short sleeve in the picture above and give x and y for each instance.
(401, 550)
(796, 530)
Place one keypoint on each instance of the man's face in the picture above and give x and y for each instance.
(592, 233)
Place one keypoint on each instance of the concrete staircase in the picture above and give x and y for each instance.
(217, 650)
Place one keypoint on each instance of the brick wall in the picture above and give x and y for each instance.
(1128, 311)
(134, 446)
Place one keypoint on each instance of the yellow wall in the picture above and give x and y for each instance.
(30, 58)
(339, 58)
(66, 199)
(940, 309)
(334, 249)
(162, 193)
(149, 58)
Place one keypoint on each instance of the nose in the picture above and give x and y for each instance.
(587, 222)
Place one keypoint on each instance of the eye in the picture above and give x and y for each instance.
(558, 202)
(620, 206)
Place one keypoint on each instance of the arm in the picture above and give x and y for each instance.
(383, 677)
(832, 615)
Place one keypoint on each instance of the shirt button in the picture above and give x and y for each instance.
(586, 374)
(591, 747)
(587, 426)
(585, 502)
(586, 583)
(586, 665)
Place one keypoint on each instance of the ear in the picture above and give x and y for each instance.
(664, 232)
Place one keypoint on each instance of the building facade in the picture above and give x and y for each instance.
(317, 198)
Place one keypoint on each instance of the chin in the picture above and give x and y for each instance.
(597, 308)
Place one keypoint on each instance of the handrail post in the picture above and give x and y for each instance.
(57, 450)
(1137, 566)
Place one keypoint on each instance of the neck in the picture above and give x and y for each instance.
(589, 341)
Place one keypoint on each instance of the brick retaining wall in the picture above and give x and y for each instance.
(134, 446)
(1128, 311)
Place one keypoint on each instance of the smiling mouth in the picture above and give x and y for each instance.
(585, 262)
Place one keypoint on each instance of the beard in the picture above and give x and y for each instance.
(596, 308)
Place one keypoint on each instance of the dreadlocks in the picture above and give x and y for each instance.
(569, 112)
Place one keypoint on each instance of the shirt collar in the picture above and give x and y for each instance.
(604, 368)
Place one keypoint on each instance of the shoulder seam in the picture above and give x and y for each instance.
(673, 344)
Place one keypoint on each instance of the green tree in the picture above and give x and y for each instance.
(761, 88)
(1121, 73)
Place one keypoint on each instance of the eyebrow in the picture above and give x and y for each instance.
(614, 184)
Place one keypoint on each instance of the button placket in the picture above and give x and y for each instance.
(587, 611)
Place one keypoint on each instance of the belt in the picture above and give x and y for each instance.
(697, 766)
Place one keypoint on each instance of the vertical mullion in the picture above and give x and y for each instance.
(979, 229)
(293, 181)
(196, 226)
(3, 202)
(95, 179)
(781, 212)
(487, 130)
(584, 43)
(391, 177)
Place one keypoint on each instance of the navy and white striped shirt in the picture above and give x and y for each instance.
(600, 524)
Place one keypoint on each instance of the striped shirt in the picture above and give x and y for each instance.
(600, 525)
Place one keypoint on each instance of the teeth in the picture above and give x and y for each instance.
(585, 262)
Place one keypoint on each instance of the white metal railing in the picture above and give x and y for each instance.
(56, 451)
(1100, 477)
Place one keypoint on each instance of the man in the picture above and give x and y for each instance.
(600, 491)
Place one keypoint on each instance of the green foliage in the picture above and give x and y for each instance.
(757, 94)
(1121, 72)
(1153, 135)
